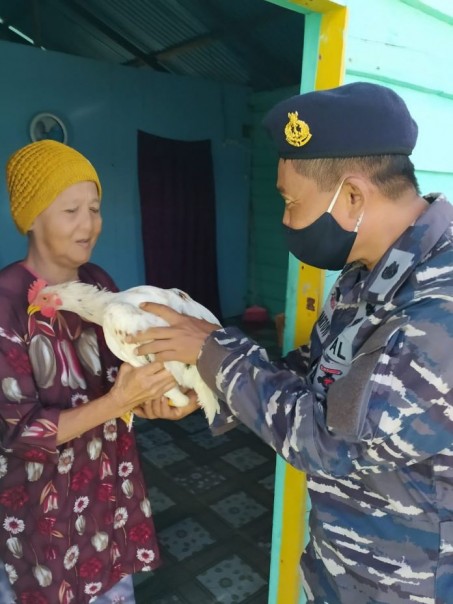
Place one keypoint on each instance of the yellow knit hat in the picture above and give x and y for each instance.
(37, 173)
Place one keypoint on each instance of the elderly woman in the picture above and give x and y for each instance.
(75, 520)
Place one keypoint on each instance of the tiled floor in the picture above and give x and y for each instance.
(212, 500)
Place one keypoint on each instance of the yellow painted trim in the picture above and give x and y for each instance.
(310, 289)
(309, 303)
(319, 6)
(310, 286)
(332, 47)
(293, 535)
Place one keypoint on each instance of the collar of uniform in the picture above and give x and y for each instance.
(413, 245)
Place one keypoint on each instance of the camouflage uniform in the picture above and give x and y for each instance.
(367, 412)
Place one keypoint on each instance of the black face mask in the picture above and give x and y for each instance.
(323, 243)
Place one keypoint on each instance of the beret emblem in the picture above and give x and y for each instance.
(297, 132)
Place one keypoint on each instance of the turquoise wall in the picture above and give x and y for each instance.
(268, 253)
(104, 106)
(408, 45)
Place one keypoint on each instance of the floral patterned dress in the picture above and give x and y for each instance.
(74, 518)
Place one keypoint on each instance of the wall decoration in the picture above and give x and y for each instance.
(48, 126)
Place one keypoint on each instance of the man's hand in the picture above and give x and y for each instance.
(161, 409)
(181, 341)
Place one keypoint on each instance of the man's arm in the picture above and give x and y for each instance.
(404, 409)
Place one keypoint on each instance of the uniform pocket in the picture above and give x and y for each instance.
(348, 398)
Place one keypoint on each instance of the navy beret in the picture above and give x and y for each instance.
(353, 120)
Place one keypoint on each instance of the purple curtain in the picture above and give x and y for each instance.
(177, 199)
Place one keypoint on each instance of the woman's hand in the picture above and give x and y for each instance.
(133, 386)
(160, 408)
(136, 385)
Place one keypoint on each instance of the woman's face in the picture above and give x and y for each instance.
(66, 232)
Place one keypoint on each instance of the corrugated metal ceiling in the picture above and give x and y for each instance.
(248, 42)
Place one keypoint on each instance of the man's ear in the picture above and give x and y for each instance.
(358, 191)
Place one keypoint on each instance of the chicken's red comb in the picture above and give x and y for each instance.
(35, 288)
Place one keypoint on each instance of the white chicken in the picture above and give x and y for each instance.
(118, 314)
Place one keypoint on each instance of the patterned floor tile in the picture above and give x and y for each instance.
(139, 578)
(231, 581)
(168, 599)
(207, 441)
(194, 423)
(268, 482)
(203, 478)
(150, 439)
(185, 538)
(265, 544)
(244, 459)
(238, 509)
(165, 455)
(159, 501)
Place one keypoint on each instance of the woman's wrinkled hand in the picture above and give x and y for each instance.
(136, 385)
(161, 408)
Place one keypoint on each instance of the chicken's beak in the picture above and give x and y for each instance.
(32, 309)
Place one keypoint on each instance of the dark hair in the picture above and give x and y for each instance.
(392, 174)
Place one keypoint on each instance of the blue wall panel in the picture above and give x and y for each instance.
(104, 106)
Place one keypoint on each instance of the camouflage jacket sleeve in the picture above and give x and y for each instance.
(296, 360)
(393, 407)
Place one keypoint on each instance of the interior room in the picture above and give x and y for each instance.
(166, 99)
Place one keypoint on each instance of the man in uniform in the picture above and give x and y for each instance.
(366, 410)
